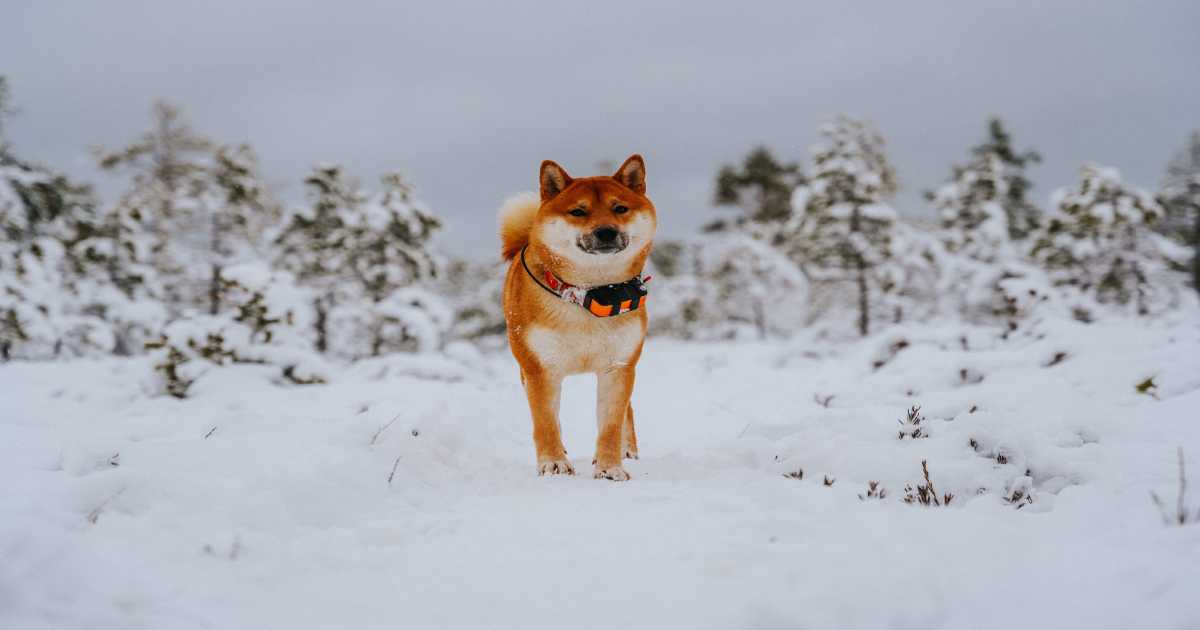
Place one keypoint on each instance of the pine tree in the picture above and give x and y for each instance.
(1097, 242)
(389, 239)
(982, 209)
(313, 245)
(845, 227)
(983, 205)
(390, 258)
(239, 216)
(996, 174)
(163, 217)
(762, 187)
(364, 257)
(1180, 195)
(192, 208)
(43, 293)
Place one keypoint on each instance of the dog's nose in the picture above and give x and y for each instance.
(605, 234)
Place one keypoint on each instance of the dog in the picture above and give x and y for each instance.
(573, 302)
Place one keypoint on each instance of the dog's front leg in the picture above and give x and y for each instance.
(543, 391)
(612, 407)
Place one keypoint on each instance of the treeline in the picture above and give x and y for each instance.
(820, 243)
(197, 262)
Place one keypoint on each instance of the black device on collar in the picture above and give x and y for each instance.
(608, 300)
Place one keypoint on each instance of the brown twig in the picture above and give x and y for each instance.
(383, 428)
(1182, 515)
(395, 465)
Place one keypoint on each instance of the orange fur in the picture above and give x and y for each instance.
(516, 219)
(551, 338)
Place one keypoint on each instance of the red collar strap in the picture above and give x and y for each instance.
(607, 300)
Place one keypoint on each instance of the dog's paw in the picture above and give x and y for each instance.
(614, 473)
(555, 467)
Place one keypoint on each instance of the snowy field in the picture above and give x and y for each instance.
(403, 495)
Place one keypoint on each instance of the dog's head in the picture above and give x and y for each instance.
(597, 225)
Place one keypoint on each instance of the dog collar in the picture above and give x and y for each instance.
(607, 300)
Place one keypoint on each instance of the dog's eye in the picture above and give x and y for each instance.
(620, 210)
(578, 212)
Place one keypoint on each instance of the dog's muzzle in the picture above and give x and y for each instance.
(606, 239)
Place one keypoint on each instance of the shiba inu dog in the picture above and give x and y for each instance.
(573, 302)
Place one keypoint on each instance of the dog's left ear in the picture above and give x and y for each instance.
(633, 174)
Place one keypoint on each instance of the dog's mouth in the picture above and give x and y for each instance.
(589, 243)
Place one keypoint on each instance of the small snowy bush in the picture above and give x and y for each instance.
(258, 327)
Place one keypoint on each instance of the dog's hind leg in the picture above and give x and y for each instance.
(543, 391)
(629, 436)
(612, 415)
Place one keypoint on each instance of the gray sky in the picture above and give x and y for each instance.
(468, 98)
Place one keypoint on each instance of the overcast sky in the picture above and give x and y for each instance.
(468, 98)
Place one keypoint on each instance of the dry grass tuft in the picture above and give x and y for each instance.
(924, 493)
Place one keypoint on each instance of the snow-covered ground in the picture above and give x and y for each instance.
(403, 495)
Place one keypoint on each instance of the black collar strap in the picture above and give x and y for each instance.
(607, 300)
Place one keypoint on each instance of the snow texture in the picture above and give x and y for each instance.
(402, 494)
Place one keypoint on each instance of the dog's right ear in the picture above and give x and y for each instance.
(553, 180)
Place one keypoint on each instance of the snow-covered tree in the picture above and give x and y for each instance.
(984, 204)
(43, 309)
(1097, 243)
(981, 210)
(844, 228)
(240, 213)
(389, 239)
(995, 176)
(1180, 194)
(161, 219)
(357, 252)
(192, 208)
(313, 245)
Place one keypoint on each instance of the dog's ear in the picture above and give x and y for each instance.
(632, 174)
(553, 180)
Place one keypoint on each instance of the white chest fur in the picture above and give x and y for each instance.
(591, 346)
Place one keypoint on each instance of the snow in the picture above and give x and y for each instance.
(402, 494)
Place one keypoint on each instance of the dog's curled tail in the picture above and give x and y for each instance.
(516, 221)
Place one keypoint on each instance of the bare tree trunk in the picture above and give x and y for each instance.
(214, 284)
(214, 291)
(860, 265)
(863, 301)
(1140, 278)
(321, 324)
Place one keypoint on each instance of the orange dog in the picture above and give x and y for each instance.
(563, 317)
